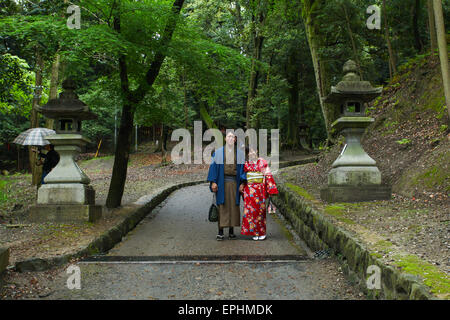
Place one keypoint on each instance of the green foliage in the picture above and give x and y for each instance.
(15, 85)
(207, 70)
(3, 196)
(31, 34)
(15, 96)
(104, 100)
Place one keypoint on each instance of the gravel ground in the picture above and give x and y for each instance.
(310, 279)
(316, 280)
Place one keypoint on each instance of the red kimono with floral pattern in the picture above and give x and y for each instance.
(255, 199)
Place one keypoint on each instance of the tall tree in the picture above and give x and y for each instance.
(133, 97)
(292, 76)
(443, 53)
(392, 60)
(258, 18)
(432, 26)
(34, 118)
(311, 9)
(416, 9)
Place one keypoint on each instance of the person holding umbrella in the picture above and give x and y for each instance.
(48, 160)
(36, 137)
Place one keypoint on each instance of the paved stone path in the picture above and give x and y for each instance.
(173, 254)
(181, 227)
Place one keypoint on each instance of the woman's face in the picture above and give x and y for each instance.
(252, 155)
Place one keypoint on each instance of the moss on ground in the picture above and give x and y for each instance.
(438, 281)
(383, 246)
(300, 191)
(376, 255)
(338, 211)
(434, 100)
(335, 210)
(436, 175)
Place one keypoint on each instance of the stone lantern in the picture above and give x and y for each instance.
(303, 129)
(354, 175)
(66, 195)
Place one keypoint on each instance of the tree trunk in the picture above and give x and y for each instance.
(293, 101)
(316, 41)
(443, 52)
(392, 62)
(415, 24)
(432, 26)
(122, 155)
(205, 115)
(254, 75)
(352, 40)
(54, 79)
(186, 108)
(130, 100)
(36, 171)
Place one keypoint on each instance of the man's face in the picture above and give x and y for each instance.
(230, 139)
(47, 147)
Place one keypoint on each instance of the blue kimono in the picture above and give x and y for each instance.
(216, 174)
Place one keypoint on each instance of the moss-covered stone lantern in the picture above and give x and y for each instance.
(66, 195)
(354, 175)
(303, 129)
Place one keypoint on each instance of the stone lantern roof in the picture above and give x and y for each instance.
(351, 87)
(67, 105)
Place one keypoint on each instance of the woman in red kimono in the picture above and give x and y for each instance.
(260, 184)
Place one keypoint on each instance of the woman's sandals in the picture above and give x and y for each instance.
(256, 238)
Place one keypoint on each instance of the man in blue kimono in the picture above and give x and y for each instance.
(227, 178)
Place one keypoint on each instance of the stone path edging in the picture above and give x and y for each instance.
(105, 241)
(291, 163)
(320, 233)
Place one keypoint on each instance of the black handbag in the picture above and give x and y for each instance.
(213, 215)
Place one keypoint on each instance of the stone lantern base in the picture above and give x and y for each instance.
(345, 193)
(66, 193)
(355, 184)
(65, 202)
(63, 213)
